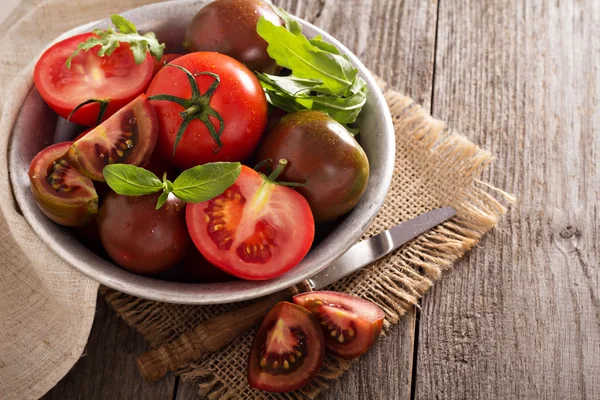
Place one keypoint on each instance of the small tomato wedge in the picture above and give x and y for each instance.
(62, 193)
(255, 230)
(287, 351)
(128, 137)
(351, 324)
(115, 78)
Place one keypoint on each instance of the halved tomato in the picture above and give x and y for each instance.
(62, 193)
(115, 78)
(128, 137)
(351, 324)
(255, 230)
(287, 351)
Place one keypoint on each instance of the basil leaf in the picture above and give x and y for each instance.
(110, 39)
(205, 182)
(130, 180)
(162, 199)
(296, 53)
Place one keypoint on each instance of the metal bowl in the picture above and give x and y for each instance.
(37, 127)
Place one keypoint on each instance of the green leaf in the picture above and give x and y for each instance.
(296, 53)
(162, 199)
(205, 182)
(130, 180)
(345, 110)
(290, 85)
(290, 23)
(292, 95)
(122, 24)
(109, 40)
(323, 45)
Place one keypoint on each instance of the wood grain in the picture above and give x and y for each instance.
(107, 369)
(520, 317)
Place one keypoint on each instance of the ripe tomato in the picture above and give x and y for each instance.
(140, 238)
(255, 230)
(237, 98)
(165, 59)
(351, 324)
(229, 27)
(116, 78)
(287, 351)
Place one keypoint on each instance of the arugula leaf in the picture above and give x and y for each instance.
(293, 94)
(323, 45)
(110, 39)
(296, 53)
(290, 23)
(205, 182)
(131, 180)
(291, 85)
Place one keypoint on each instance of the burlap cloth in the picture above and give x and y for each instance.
(47, 308)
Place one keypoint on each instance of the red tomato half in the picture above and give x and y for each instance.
(255, 230)
(116, 78)
(238, 99)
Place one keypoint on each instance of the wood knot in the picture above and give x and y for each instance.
(569, 232)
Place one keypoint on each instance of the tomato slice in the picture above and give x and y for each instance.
(116, 78)
(351, 324)
(255, 230)
(287, 351)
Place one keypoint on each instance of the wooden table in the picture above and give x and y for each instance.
(520, 316)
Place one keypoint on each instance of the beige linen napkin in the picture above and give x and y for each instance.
(46, 307)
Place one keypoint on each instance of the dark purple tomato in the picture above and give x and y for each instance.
(321, 152)
(194, 268)
(229, 27)
(140, 238)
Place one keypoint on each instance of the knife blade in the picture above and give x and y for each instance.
(191, 345)
(370, 250)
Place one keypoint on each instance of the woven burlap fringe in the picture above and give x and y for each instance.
(434, 167)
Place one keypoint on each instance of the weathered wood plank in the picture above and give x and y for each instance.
(520, 317)
(107, 369)
(396, 40)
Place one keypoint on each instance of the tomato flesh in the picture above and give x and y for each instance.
(255, 230)
(287, 351)
(116, 78)
(351, 324)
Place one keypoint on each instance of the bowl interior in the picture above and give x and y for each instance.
(37, 127)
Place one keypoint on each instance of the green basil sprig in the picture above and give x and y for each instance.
(321, 77)
(194, 185)
(110, 39)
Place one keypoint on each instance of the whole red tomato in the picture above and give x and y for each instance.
(219, 102)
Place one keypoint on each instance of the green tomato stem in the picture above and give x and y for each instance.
(197, 107)
(278, 170)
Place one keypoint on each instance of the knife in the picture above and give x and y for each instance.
(215, 333)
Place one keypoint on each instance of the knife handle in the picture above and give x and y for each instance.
(210, 335)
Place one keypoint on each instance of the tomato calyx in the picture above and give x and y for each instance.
(276, 172)
(103, 106)
(196, 107)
